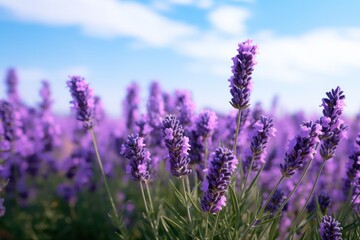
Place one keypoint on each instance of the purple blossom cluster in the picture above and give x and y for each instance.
(178, 146)
(262, 130)
(221, 166)
(139, 158)
(301, 149)
(333, 128)
(241, 81)
(330, 229)
(83, 100)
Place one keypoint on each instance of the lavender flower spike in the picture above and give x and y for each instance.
(263, 129)
(177, 145)
(330, 229)
(206, 123)
(83, 100)
(241, 82)
(11, 122)
(222, 164)
(301, 149)
(332, 126)
(139, 165)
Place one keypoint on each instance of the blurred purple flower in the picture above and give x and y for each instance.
(177, 145)
(12, 83)
(83, 100)
(324, 201)
(222, 164)
(10, 119)
(185, 107)
(45, 94)
(275, 202)
(131, 106)
(206, 123)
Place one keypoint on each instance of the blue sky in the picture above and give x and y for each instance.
(305, 48)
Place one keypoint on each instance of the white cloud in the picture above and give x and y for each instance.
(229, 19)
(196, 3)
(107, 18)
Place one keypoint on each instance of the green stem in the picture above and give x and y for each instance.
(238, 122)
(261, 211)
(349, 208)
(237, 131)
(150, 198)
(295, 188)
(186, 199)
(298, 217)
(144, 198)
(207, 225)
(248, 173)
(148, 213)
(103, 174)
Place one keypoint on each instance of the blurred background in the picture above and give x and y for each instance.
(305, 48)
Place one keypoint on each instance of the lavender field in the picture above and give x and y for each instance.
(171, 171)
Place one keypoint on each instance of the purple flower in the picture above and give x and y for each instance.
(10, 119)
(206, 123)
(45, 94)
(301, 149)
(333, 128)
(131, 106)
(330, 229)
(241, 82)
(185, 107)
(353, 173)
(324, 201)
(155, 106)
(99, 111)
(222, 164)
(139, 165)
(276, 201)
(12, 82)
(177, 145)
(262, 130)
(83, 100)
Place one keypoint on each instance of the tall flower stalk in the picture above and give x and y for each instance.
(139, 168)
(241, 83)
(301, 151)
(83, 104)
(333, 129)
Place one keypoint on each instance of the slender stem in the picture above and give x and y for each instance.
(295, 188)
(298, 217)
(144, 198)
(261, 211)
(349, 208)
(186, 200)
(238, 122)
(150, 198)
(148, 213)
(248, 172)
(237, 131)
(103, 174)
(216, 223)
(207, 225)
